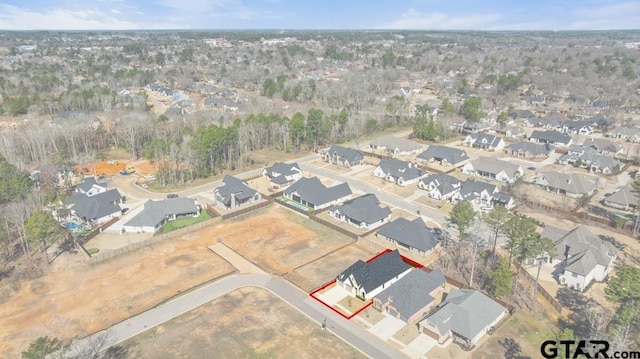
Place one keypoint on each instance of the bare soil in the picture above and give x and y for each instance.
(246, 323)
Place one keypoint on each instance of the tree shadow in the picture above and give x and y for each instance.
(512, 349)
(116, 352)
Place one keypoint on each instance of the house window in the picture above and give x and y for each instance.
(574, 275)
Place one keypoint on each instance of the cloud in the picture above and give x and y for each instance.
(414, 20)
(15, 18)
(610, 16)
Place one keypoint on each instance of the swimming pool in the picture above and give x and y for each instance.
(72, 226)
(295, 204)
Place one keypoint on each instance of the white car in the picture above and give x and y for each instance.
(149, 176)
(145, 186)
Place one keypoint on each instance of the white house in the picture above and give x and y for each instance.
(493, 169)
(400, 172)
(282, 174)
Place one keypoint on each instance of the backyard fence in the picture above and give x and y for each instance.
(245, 210)
(98, 230)
(292, 207)
(543, 292)
(333, 226)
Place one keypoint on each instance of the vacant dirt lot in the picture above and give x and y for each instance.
(76, 299)
(246, 323)
(97, 168)
(279, 240)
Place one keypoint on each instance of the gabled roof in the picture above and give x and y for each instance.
(502, 198)
(411, 292)
(603, 145)
(365, 209)
(88, 183)
(400, 169)
(393, 142)
(466, 312)
(485, 139)
(534, 149)
(551, 136)
(582, 249)
(235, 187)
(471, 189)
(97, 206)
(155, 212)
(283, 169)
(577, 124)
(311, 190)
(569, 182)
(437, 152)
(444, 183)
(344, 153)
(624, 197)
(372, 275)
(414, 234)
(495, 166)
(623, 131)
(521, 114)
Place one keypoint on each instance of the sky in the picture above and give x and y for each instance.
(319, 14)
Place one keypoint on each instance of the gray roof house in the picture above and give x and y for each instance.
(631, 134)
(156, 213)
(343, 156)
(362, 212)
(503, 199)
(479, 193)
(493, 169)
(623, 199)
(549, 123)
(401, 172)
(282, 174)
(413, 235)
(98, 207)
(465, 316)
(512, 132)
(440, 186)
(396, 145)
(311, 193)
(446, 156)
(551, 137)
(588, 157)
(234, 193)
(581, 127)
(570, 184)
(604, 146)
(581, 256)
(413, 296)
(484, 140)
(366, 279)
(530, 150)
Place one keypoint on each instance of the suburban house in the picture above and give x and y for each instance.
(493, 169)
(310, 192)
(546, 123)
(479, 193)
(530, 150)
(583, 127)
(440, 186)
(413, 236)
(362, 212)
(570, 184)
(512, 132)
(465, 316)
(589, 158)
(631, 134)
(400, 172)
(396, 146)
(365, 280)
(604, 146)
(503, 199)
(94, 203)
(445, 156)
(551, 137)
(52, 175)
(234, 193)
(343, 156)
(521, 114)
(156, 213)
(467, 127)
(412, 296)
(282, 174)
(484, 141)
(623, 199)
(581, 256)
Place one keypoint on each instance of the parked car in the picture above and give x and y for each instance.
(124, 172)
(149, 176)
(172, 195)
(145, 186)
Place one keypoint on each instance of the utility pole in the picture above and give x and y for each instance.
(476, 239)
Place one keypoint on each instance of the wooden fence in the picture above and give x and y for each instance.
(98, 230)
(245, 210)
(543, 292)
(333, 226)
(155, 239)
(292, 207)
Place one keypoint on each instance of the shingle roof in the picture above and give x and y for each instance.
(466, 312)
(451, 155)
(88, 183)
(603, 145)
(569, 182)
(444, 183)
(534, 149)
(344, 153)
(393, 142)
(97, 206)
(485, 139)
(156, 211)
(551, 136)
(400, 169)
(472, 189)
(311, 190)
(584, 248)
(371, 275)
(495, 166)
(235, 187)
(414, 234)
(364, 209)
(502, 198)
(411, 292)
(625, 197)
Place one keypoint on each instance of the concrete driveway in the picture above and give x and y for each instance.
(387, 327)
(419, 346)
(333, 295)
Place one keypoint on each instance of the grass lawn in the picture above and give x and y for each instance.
(183, 222)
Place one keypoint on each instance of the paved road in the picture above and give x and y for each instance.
(351, 333)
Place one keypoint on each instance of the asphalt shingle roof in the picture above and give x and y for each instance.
(311, 190)
(534, 149)
(365, 209)
(345, 153)
(551, 136)
(451, 155)
(156, 211)
(411, 292)
(414, 234)
(370, 276)
(400, 169)
(444, 183)
(236, 187)
(401, 144)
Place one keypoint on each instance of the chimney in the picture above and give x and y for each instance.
(567, 248)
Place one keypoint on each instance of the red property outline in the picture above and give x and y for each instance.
(312, 294)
